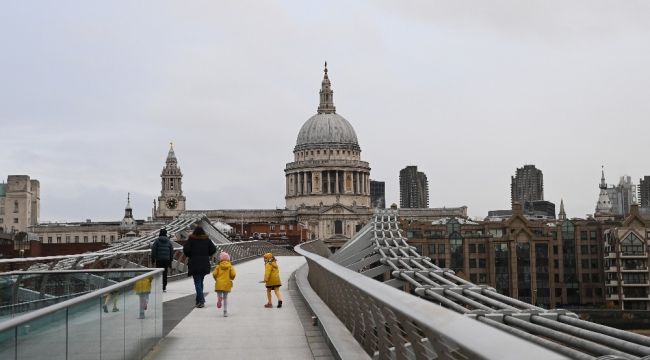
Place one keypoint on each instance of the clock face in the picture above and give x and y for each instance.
(171, 204)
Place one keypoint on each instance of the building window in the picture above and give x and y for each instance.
(338, 226)
(103, 238)
(632, 245)
(441, 263)
(76, 238)
(15, 206)
(282, 227)
(481, 248)
(290, 227)
(94, 238)
(112, 238)
(1, 220)
(432, 249)
(40, 238)
(593, 235)
(15, 220)
(49, 239)
(58, 239)
(441, 249)
(85, 238)
(593, 249)
(481, 263)
(2, 211)
(585, 264)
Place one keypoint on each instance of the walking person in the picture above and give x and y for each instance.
(199, 248)
(162, 253)
(111, 298)
(142, 288)
(223, 276)
(272, 279)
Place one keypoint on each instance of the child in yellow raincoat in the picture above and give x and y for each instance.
(142, 288)
(272, 280)
(223, 276)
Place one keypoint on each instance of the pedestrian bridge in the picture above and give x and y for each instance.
(374, 298)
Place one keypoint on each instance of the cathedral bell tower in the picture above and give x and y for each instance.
(171, 201)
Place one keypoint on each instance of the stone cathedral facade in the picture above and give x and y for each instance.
(327, 183)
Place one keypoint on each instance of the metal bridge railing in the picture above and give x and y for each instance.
(392, 324)
(77, 328)
(381, 252)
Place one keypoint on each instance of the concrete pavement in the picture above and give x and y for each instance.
(250, 331)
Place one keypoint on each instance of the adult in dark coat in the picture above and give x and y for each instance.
(199, 248)
(162, 253)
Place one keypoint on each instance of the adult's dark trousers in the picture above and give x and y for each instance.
(165, 265)
(198, 286)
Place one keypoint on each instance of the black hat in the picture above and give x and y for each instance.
(163, 232)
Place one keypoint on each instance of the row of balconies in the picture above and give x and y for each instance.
(624, 269)
(616, 297)
(612, 255)
(623, 283)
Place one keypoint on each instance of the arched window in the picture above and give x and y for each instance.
(16, 206)
(632, 245)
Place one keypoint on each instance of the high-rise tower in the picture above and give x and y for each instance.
(527, 185)
(644, 192)
(413, 188)
(171, 201)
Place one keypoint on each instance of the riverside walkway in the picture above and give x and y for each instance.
(250, 331)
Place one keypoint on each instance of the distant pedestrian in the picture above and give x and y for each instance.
(199, 248)
(111, 298)
(142, 288)
(223, 276)
(272, 279)
(162, 253)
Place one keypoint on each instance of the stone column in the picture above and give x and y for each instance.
(336, 182)
(356, 182)
(304, 182)
(295, 183)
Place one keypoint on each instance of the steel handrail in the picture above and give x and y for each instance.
(448, 332)
(5, 325)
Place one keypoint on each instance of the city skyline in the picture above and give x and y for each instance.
(89, 107)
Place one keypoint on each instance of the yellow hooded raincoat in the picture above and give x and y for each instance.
(271, 272)
(223, 276)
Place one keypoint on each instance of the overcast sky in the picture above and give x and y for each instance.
(91, 94)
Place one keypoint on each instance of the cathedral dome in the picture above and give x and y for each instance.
(327, 128)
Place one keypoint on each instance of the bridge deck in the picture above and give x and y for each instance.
(250, 331)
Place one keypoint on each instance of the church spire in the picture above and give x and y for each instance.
(128, 201)
(326, 105)
(171, 156)
(603, 184)
(562, 214)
